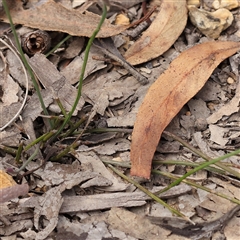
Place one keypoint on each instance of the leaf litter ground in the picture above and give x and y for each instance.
(78, 197)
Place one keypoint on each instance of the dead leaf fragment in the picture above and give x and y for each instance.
(163, 32)
(135, 225)
(6, 180)
(52, 16)
(9, 189)
(180, 82)
(227, 109)
(121, 19)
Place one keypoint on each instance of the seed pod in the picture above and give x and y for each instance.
(36, 42)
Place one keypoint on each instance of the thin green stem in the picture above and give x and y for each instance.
(43, 138)
(9, 150)
(61, 107)
(150, 194)
(29, 159)
(104, 14)
(185, 163)
(25, 62)
(191, 183)
(65, 151)
(19, 152)
(76, 126)
(58, 45)
(103, 130)
(167, 162)
(201, 154)
(202, 166)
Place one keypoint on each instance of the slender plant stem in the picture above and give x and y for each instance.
(202, 166)
(150, 194)
(25, 62)
(167, 162)
(201, 154)
(65, 151)
(29, 159)
(104, 14)
(9, 150)
(58, 45)
(191, 164)
(43, 138)
(191, 183)
(71, 131)
(19, 152)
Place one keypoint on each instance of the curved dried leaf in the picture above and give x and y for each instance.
(163, 32)
(52, 16)
(180, 82)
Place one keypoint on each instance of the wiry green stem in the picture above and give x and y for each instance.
(191, 183)
(150, 194)
(25, 62)
(201, 154)
(58, 45)
(202, 166)
(104, 14)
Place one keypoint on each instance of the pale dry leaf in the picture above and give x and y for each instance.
(99, 167)
(230, 230)
(14, 227)
(9, 100)
(11, 137)
(52, 79)
(69, 175)
(198, 108)
(118, 199)
(210, 92)
(187, 204)
(217, 134)
(9, 112)
(186, 75)
(218, 204)
(46, 206)
(163, 32)
(76, 230)
(228, 109)
(15, 69)
(51, 16)
(73, 70)
(113, 146)
(34, 108)
(232, 188)
(9, 189)
(74, 48)
(10, 90)
(204, 146)
(135, 225)
(128, 118)
(49, 204)
(108, 90)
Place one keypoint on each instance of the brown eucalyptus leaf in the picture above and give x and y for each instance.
(185, 76)
(51, 16)
(163, 32)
